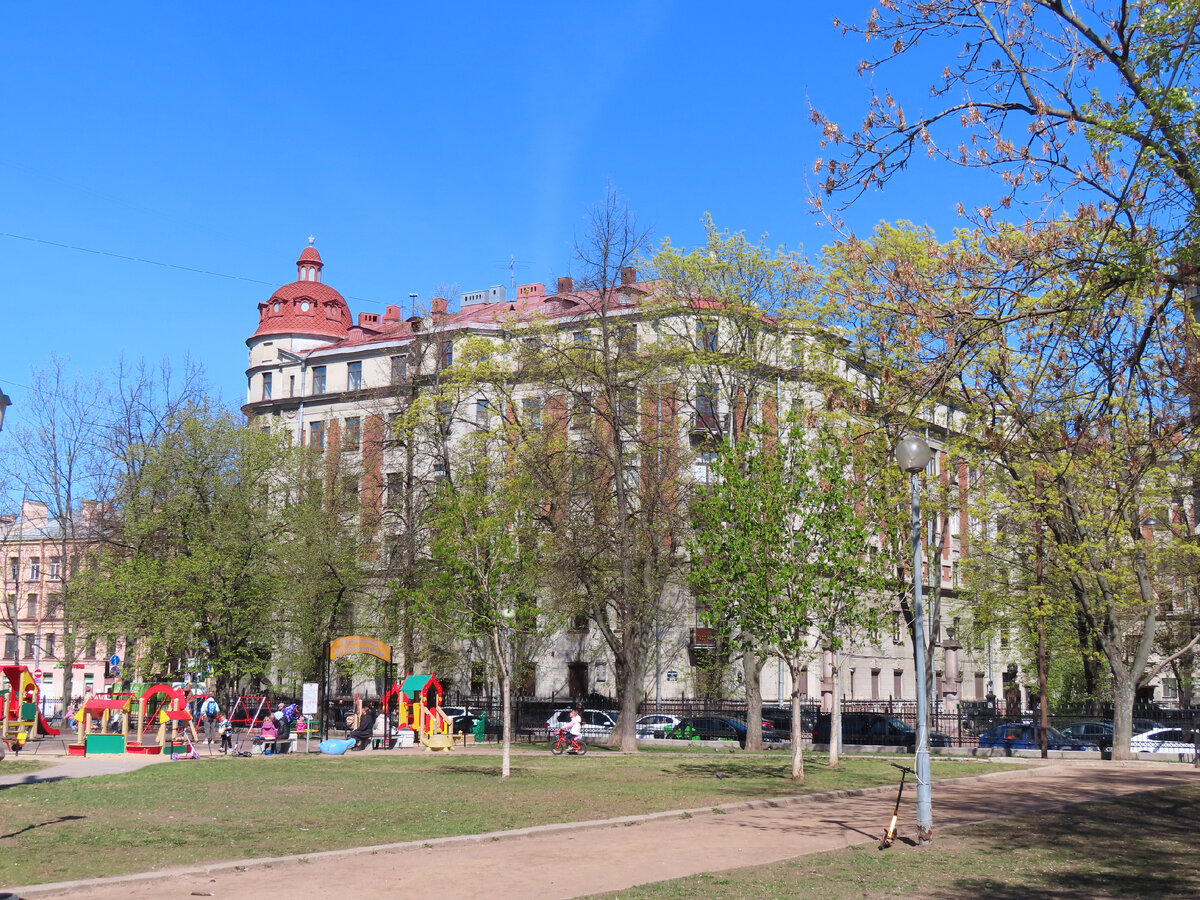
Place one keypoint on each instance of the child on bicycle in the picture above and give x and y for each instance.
(575, 728)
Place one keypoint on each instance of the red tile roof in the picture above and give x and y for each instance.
(304, 307)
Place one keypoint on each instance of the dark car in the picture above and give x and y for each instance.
(781, 719)
(875, 728)
(1098, 733)
(1021, 736)
(718, 728)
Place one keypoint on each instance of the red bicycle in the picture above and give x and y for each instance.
(564, 742)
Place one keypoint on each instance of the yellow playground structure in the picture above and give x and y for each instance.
(419, 702)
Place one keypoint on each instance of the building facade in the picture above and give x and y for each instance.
(38, 561)
(340, 384)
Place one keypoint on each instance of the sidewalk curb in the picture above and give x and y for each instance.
(60, 887)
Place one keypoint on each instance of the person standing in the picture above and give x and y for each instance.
(211, 710)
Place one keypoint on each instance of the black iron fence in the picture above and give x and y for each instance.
(962, 726)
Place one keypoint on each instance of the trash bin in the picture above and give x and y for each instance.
(478, 729)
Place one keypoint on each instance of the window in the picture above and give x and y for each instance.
(702, 469)
(50, 644)
(10, 646)
(318, 380)
(583, 340)
(394, 437)
(14, 569)
(316, 435)
(897, 684)
(706, 335)
(266, 393)
(601, 673)
(483, 417)
(29, 639)
(350, 485)
(90, 649)
(352, 437)
(531, 409)
(627, 338)
(446, 351)
(581, 412)
(354, 376)
(12, 607)
(35, 568)
(874, 684)
(706, 407)
(55, 568)
(399, 369)
(395, 489)
(627, 410)
(440, 469)
(53, 606)
(445, 415)
(291, 385)
(31, 606)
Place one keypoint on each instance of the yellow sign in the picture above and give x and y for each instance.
(357, 643)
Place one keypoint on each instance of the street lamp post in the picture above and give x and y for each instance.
(913, 455)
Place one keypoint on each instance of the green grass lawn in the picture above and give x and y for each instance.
(12, 766)
(1141, 845)
(174, 813)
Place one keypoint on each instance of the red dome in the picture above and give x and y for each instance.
(305, 307)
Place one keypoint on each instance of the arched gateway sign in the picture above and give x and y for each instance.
(344, 646)
(357, 643)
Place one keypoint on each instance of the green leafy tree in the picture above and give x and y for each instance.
(486, 552)
(782, 550)
(187, 571)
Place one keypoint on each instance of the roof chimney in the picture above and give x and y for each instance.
(392, 313)
(628, 275)
(565, 285)
(437, 308)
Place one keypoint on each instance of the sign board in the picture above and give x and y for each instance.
(114, 660)
(37, 674)
(672, 675)
(357, 643)
(308, 704)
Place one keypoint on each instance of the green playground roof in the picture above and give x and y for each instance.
(417, 684)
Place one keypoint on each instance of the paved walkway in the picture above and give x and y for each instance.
(584, 858)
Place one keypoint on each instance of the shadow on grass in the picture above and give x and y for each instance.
(1141, 846)
(59, 820)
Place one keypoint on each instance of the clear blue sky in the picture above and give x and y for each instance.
(421, 146)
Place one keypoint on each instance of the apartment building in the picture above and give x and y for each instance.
(339, 383)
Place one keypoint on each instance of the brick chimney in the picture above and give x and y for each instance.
(565, 285)
(437, 307)
(392, 313)
(628, 275)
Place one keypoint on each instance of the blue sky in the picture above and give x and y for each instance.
(421, 146)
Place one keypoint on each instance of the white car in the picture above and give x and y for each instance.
(1165, 740)
(655, 725)
(596, 722)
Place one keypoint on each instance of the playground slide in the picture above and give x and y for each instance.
(20, 678)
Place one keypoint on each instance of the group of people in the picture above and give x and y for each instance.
(215, 725)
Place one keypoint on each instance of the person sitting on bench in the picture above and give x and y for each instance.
(366, 725)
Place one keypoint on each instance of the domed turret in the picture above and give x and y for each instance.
(305, 307)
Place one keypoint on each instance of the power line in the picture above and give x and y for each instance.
(165, 265)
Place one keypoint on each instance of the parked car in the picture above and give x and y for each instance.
(1021, 736)
(718, 728)
(596, 722)
(781, 719)
(655, 725)
(1165, 740)
(463, 717)
(1098, 733)
(875, 728)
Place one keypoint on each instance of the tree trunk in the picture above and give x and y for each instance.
(797, 726)
(1043, 689)
(506, 734)
(835, 714)
(629, 685)
(1123, 694)
(752, 672)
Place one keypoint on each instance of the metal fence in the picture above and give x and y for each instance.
(962, 727)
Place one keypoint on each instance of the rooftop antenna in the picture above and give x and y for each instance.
(512, 264)
(413, 302)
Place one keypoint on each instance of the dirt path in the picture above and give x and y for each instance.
(569, 861)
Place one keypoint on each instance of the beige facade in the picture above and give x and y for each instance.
(337, 386)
